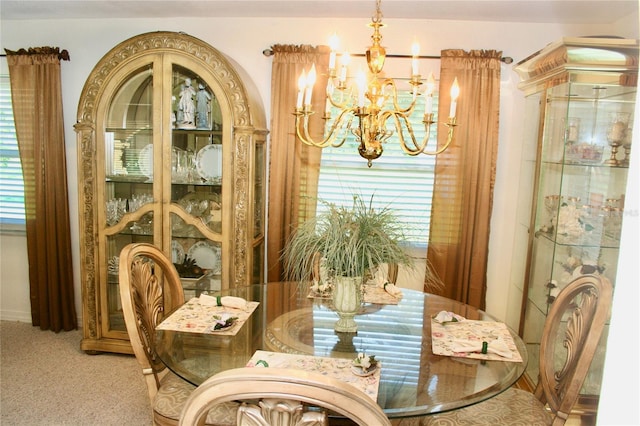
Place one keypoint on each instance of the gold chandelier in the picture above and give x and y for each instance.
(371, 127)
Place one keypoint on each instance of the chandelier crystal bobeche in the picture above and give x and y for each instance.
(373, 101)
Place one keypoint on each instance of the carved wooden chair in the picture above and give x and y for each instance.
(570, 338)
(282, 397)
(149, 287)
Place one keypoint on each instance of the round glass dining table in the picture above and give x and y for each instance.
(413, 381)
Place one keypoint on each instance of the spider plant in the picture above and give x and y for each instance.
(351, 241)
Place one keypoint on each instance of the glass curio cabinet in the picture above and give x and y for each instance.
(171, 145)
(580, 98)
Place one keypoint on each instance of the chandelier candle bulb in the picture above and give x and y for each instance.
(311, 80)
(455, 91)
(343, 69)
(428, 94)
(415, 51)
(302, 82)
(333, 43)
(429, 104)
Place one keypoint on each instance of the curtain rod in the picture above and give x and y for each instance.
(505, 59)
(63, 54)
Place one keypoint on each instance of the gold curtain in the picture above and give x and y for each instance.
(37, 107)
(465, 176)
(293, 166)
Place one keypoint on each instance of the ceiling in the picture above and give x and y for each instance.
(538, 11)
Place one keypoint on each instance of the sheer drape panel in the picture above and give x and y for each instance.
(37, 106)
(293, 166)
(465, 176)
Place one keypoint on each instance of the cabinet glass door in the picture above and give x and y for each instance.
(128, 213)
(196, 182)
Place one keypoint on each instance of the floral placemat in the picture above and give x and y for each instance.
(378, 295)
(465, 339)
(372, 294)
(338, 368)
(196, 318)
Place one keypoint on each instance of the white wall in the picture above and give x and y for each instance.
(244, 40)
(14, 279)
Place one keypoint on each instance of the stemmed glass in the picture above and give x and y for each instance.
(627, 149)
(572, 130)
(616, 134)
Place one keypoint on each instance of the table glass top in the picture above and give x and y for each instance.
(413, 380)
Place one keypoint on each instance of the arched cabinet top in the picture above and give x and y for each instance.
(237, 87)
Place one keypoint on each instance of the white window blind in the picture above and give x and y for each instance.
(11, 183)
(396, 180)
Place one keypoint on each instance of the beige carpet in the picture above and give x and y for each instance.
(45, 379)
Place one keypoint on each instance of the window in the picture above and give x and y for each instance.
(395, 180)
(11, 183)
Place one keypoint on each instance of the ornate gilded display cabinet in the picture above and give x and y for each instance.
(171, 151)
(579, 109)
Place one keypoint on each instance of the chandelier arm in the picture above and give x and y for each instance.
(424, 142)
(339, 121)
(403, 143)
(421, 149)
(396, 105)
(451, 124)
(302, 130)
(343, 102)
(339, 126)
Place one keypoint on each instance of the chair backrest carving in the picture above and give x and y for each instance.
(571, 335)
(275, 396)
(149, 287)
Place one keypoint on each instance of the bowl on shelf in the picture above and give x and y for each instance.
(584, 153)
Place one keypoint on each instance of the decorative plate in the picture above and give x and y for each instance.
(206, 255)
(223, 321)
(358, 371)
(209, 162)
(361, 368)
(200, 203)
(177, 252)
(145, 161)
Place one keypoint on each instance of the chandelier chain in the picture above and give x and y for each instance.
(377, 17)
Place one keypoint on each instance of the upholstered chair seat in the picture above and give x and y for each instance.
(514, 407)
(173, 392)
(149, 288)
